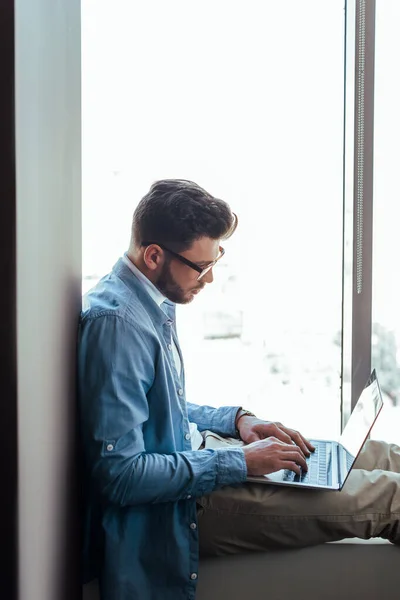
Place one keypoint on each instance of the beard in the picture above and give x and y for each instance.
(171, 289)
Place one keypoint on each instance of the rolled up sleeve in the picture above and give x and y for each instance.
(221, 420)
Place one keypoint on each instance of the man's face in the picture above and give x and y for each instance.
(177, 281)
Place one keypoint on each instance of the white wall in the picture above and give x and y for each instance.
(48, 142)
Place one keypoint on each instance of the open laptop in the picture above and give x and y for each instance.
(330, 464)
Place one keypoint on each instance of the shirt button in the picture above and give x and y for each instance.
(193, 526)
(187, 436)
(110, 447)
(180, 391)
(188, 496)
(169, 346)
(193, 576)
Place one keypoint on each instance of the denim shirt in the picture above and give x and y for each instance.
(140, 475)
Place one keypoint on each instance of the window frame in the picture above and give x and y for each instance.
(358, 201)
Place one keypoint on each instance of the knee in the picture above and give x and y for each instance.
(375, 446)
(373, 455)
(382, 455)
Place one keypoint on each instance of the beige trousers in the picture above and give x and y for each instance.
(256, 516)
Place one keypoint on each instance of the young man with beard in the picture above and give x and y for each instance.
(155, 490)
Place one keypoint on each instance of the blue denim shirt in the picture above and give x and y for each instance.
(140, 475)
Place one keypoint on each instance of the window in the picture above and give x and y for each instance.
(246, 100)
(386, 282)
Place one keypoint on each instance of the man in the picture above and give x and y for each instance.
(157, 483)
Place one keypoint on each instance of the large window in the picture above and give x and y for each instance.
(386, 280)
(246, 99)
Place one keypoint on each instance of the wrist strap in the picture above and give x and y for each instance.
(243, 413)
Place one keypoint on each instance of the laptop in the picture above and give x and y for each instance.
(329, 466)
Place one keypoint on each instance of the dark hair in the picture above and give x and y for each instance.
(178, 212)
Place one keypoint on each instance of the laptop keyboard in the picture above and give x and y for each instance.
(349, 460)
(318, 467)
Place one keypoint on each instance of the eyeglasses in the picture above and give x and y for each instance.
(201, 270)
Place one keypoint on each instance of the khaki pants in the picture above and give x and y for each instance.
(254, 516)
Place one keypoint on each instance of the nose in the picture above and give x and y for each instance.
(209, 276)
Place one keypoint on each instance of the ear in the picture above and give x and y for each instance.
(153, 257)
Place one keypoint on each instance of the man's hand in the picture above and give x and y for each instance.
(252, 429)
(270, 455)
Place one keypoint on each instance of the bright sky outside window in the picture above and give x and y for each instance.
(247, 100)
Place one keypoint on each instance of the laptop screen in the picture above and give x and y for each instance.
(363, 417)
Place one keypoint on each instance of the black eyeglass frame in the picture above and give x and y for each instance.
(201, 270)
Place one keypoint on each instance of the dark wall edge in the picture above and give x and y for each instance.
(8, 355)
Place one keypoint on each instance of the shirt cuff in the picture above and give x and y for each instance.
(227, 420)
(231, 466)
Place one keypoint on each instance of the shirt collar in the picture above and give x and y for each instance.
(151, 289)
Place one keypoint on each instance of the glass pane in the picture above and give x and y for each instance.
(246, 99)
(386, 282)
